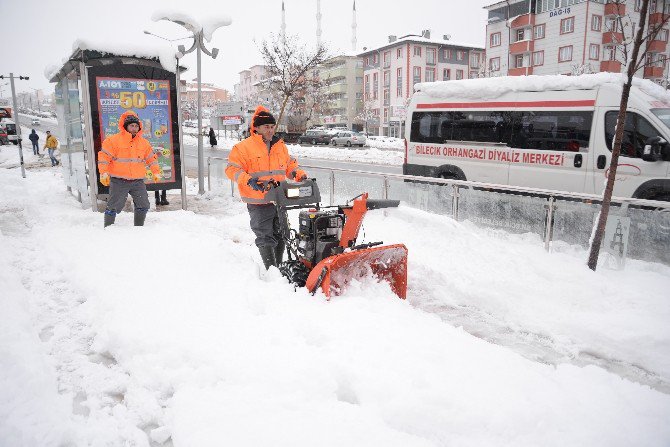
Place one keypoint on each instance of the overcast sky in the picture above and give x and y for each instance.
(38, 33)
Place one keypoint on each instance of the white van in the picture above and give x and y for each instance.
(548, 132)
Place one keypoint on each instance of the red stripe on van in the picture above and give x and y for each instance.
(517, 104)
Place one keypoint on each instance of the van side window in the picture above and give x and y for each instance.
(635, 133)
(425, 127)
(482, 127)
(552, 131)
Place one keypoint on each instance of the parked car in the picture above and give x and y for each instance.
(314, 137)
(349, 139)
(35, 122)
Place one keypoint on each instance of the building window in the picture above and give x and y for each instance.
(638, 4)
(430, 75)
(538, 31)
(446, 74)
(474, 60)
(459, 74)
(565, 54)
(447, 53)
(398, 53)
(416, 75)
(367, 86)
(609, 53)
(375, 85)
(375, 59)
(417, 51)
(522, 34)
(386, 114)
(538, 58)
(611, 25)
(567, 25)
(387, 97)
(387, 78)
(398, 75)
(662, 35)
(494, 64)
(594, 52)
(472, 75)
(460, 55)
(596, 22)
(387, 59)
(494, 41)
(430, 56)
(520, 61)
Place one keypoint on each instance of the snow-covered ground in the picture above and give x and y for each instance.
(171, 334)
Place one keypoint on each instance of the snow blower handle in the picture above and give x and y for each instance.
(375, 204)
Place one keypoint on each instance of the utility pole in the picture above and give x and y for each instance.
(16, 118)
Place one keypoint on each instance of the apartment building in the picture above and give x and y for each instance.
(391, 71)
(249, 90)
(210, 93)
(342, 78)
(542, 37)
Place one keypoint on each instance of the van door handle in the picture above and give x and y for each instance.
(601, 161)
(578, 160)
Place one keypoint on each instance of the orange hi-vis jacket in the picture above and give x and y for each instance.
(124, 156)
(251, 158)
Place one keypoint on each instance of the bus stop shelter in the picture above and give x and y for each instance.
(93, 87)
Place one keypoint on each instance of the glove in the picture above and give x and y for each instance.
(157, 177)
(104, 179)
(253, 184)
(301, 178)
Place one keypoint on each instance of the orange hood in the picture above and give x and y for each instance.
(122, 118)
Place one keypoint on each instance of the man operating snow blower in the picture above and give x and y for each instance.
(255, 164)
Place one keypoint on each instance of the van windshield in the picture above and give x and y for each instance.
(663, 115)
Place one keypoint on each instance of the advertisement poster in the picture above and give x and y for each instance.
(150, 99)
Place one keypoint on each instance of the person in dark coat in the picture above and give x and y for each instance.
(34, 138)
(212, 137)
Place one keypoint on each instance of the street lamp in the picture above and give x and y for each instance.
(198, 46)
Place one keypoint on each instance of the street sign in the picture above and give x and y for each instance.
(229, 108)
(231, 120)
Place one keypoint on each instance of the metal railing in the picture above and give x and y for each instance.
(457, 187)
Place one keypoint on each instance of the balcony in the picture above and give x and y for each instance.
(615, 9)
(522, 46)
(658, 18)
(524, 20)
(610, 66)
(337, 72)
(337, 88)
(657, 46)
(521, 71)
(653, 72)
(610, 37)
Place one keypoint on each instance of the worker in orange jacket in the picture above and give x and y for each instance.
(122, 163)
(251, 164)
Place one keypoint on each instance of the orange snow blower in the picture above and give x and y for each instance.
(323, 252)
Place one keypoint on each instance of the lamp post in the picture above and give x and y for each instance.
(199, 47)
(16, 114)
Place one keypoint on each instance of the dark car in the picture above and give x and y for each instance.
(315, 137)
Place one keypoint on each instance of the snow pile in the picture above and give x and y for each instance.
(207, 24)
(132, 336)
(490, 88)
(397, 144)
(359, 155)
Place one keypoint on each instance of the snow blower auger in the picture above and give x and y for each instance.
(323, 252)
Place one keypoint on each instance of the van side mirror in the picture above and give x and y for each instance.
(653, 149)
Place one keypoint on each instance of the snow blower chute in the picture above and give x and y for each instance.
(323, 252)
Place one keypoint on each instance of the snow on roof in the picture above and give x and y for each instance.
(138, 46)
(207, 24)
(489, 88)
(413, 38)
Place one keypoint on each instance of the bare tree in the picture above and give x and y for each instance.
(367, 114)
(634, 50)
(291, 69)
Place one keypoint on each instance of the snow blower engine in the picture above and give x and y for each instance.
(323, 252)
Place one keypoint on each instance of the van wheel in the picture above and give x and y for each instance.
(348, 143)
(313, 142)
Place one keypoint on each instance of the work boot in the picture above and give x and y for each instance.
(158, 198)
(268, 256)
(139, 217)
(164, 198)
(110, 216)
(279, 252)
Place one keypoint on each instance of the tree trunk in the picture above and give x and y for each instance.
(281, 112)
(616, 147)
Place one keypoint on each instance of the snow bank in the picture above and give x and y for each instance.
(174, 331)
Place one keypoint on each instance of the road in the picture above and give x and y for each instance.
(192, 152)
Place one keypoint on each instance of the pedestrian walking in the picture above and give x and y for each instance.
(34, 138)
(122, 163)
(212, 137)
(50, 145)
(252, 162)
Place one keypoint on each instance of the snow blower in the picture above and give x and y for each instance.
(323, 252)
